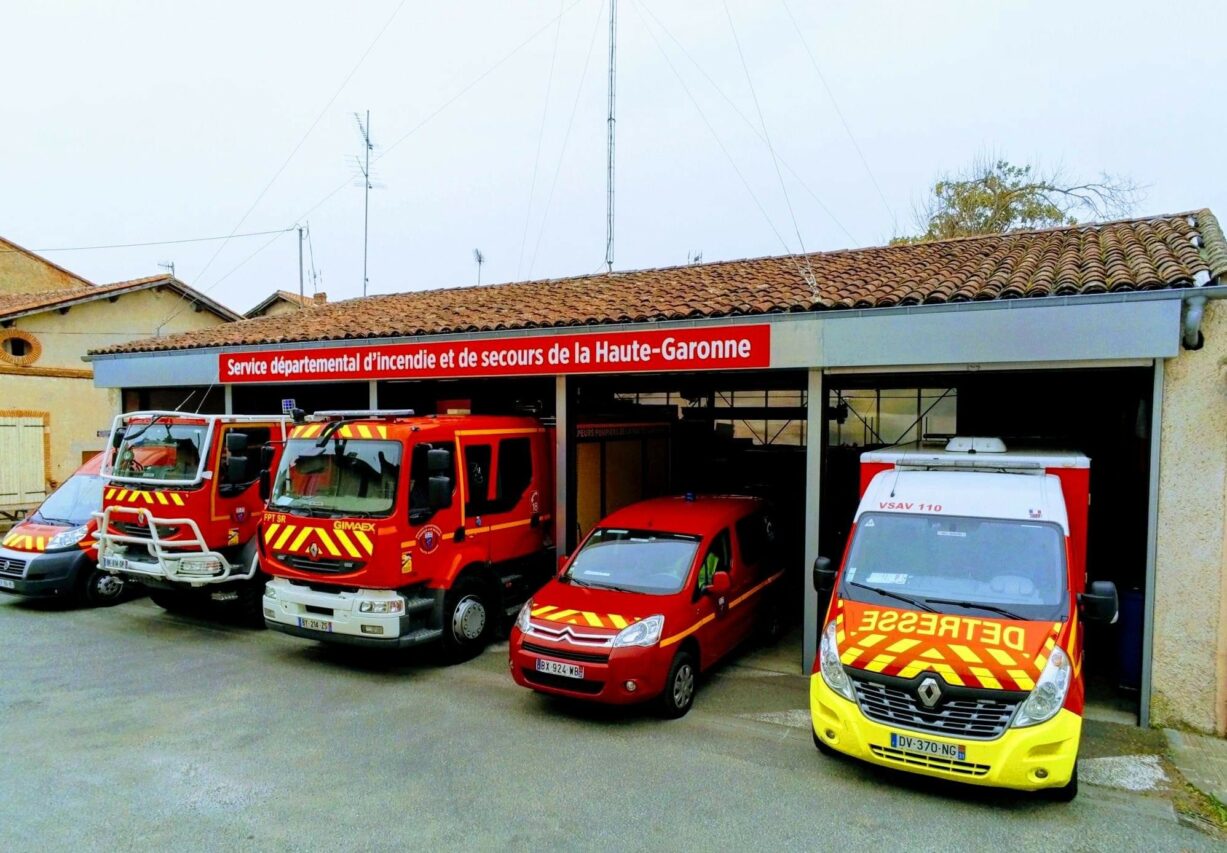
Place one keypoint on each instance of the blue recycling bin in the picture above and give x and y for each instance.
(1129, 639)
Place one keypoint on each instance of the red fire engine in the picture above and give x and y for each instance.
(181, 506)
(384, 529)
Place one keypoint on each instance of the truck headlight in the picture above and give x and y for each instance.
(645, 632)
(67, 538)
(200, 566)
(831, 667)
(1049, 694)
(382, 605)
(523, 619)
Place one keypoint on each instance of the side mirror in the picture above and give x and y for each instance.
(117, 438)
(236, 443)
(267, 453)
(824, 575)
(1099, 603)
(438, 461)
(266, 484)
(236, 469)
(440, 496)
(720, 585)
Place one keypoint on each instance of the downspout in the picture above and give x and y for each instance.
(1194, 309)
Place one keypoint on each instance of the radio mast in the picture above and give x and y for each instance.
(364, 128)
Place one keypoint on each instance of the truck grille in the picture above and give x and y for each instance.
(565, 654)
(978, 719)
(930, 762)
(141, 531)
(12, 567)
(322, 566)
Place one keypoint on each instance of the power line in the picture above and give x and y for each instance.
(834, 103)
(770, 147)
(750, 124)
(153, 242)
(302, 140)
(498, 64)
(545, 111)
(566, 138)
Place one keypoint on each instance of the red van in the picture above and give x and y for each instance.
(51, 552)
(657, 593)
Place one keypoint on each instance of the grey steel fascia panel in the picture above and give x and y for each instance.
(1109, 330)
(156, 370)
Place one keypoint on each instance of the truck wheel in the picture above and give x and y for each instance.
(172, 600)
(1066, 792)
(100, 589)
(467, 620)
(680, 685)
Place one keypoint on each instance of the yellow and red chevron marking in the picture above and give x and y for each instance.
(144, 498)
(584, 618)
(1000, 654)
(24, 541)
(345, 431)
(297, 539)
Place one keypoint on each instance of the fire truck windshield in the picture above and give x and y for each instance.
(634, 561)
(1009, 568)
(345, 477)
(160, 451)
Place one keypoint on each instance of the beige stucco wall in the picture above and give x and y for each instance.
(281, 307)
(77, 409)
(1190, 628)
(22, 273)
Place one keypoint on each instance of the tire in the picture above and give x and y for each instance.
(680, 686)
(99, 589)
(173, 601)
(469, 616)
(1067, 792)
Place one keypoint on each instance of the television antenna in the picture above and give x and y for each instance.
(364, 166)
(169, 266)
(694, 257)
(480, 259)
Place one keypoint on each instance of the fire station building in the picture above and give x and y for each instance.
(772, 376)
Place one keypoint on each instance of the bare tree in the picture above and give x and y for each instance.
(994, 196)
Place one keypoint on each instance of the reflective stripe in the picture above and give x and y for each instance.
(177, 498)
(365, 542)
(346, 544)
(270, 532)
(327, 540)
(285, 534)
(301, 538)
(162, 499)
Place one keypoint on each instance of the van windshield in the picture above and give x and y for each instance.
(350, 477)
(645, 561)
(160, 451)
(961, 565)
(73, 502)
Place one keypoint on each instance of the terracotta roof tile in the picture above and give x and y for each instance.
(1161, 251)
(12, 304)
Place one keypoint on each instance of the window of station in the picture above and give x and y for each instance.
(765, 418)
(889, 416)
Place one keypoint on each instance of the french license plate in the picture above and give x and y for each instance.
(113, 563)
(907, 743)
(567, 670)
(315, 624)
(6, 584)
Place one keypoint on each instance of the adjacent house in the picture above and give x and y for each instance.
(51, 415)
(285, 302)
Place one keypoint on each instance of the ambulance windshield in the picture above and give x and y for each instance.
(160, 451)
(73, 502)
(345, 477)
(1003, 568)
(645, 561)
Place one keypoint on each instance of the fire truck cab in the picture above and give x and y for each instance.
(388, 530)
(182, 504)
(953, 643)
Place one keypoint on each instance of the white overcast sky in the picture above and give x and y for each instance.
(130, 121)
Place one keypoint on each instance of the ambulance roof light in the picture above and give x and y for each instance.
(975, 444)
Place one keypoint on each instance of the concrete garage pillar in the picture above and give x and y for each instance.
(229, 398)
(815, 433)
(1188, 672)
(564, 475)
(373, 396)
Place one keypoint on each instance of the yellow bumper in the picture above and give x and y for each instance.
(1027, 759)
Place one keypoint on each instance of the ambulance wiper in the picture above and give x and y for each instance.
(896, 595)
(1009, 614)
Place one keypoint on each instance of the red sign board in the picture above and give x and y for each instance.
(654, 350)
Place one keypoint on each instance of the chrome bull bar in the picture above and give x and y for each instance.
(169, 555)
